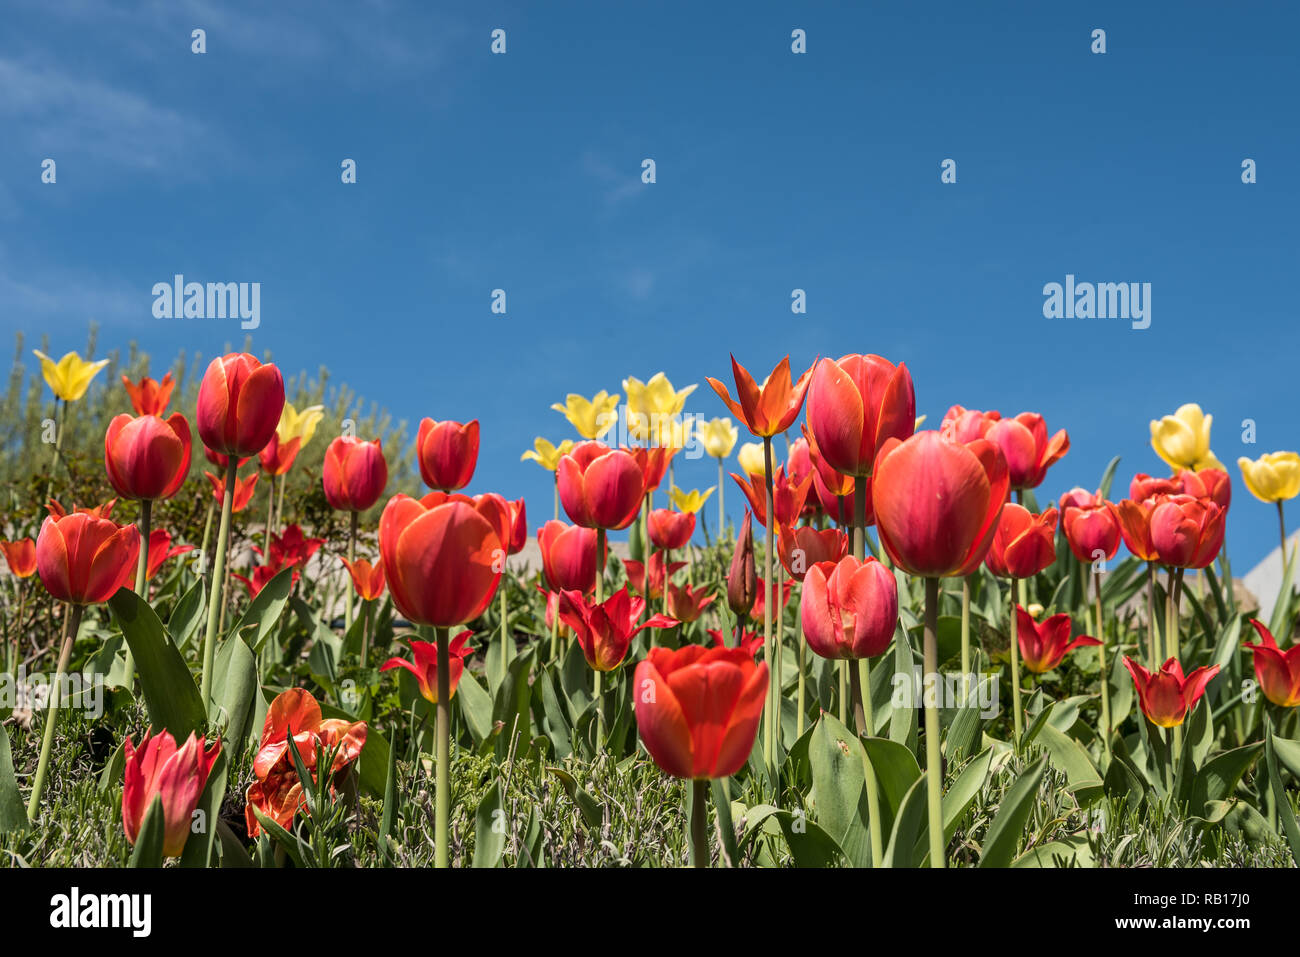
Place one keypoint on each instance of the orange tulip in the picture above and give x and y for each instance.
(1277, 671)
(686, 604)
(787, 497)
(85, 560)
(447, 452)
(1166, 697)
(147, 458)
(1044, 646)
(149, 397)
(20, 556)
(176, 775)
(1024, 544)
(277, 457)
(669, 529)
(1135, 527)
(600, 487)
(659, 575)
(653, 462)
(367, 579)
(937, 502)
(443, 563)
(769, 410)
(801, 547)
(697, 709)
(856, 404)
(240, 401)
(425, 667)
(243, 490)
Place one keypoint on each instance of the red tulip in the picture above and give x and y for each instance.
(490, 505)
(367, 579)
(659, 575)
(277, 792)
(85, 560)
(147, 458)
(1024, 544)
(442, 564)
(448, 453)
(760, 600)
(849, 608)
(149, 397)
(277, 457)
(1080, 498)
(1145, 487)
(669, 529)
(1277, 671)
(605, 631)
(1026, 447)
(262, 576)
(243, 490)
(800, 547)
(1043, 647)
(518, 527)
(653, 462)
(1166, 696)
(99, 511)
(160, 550)
(787, 497)
(425, 667)
(769, 410)
(1135, 527)
(290, 547)
(1093, 531)
(176, 775)
(937, 502)
(799, 466)
(20, 556)
(750, 642)
(568, 556)
(742, 576)
(240, 401)
(600, 487)
(856, 404)
(964, 425)
(1186, 532)
(1212, 484)
(698, 708)
(835, 491)
(354, 474)
(686, 604)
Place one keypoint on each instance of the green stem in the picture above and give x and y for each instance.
(769, 652)
(1105, 674)
(71, 623)
(722, 514)
(505, 635)
(352, 557)
(141, 574)
(1014, 635)
(1281, 528)
(600, 598)
(700, 822)
(933, 761)
(218, 579)
(1153, 661)
(802, 700)
(270, 517)
(863, 727)
(442, 782)
(965, 638)
(279, 506)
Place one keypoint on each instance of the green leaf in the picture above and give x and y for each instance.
(910, 829)
(187, 615)
(1108, 476)
(1008, 825)
(958, 801)
(233, 690)
(591, 811)
(1067, 755)
(896, 771)
(1283, 804)
(489, 835)
(836, 757)
(1218, 779)
(292, 846)
(392, 806)
(1070, 852)
(475, 707)
(264, 610)
(809, 844)
(13, 816)
(726, 828)
(170, 695)
(198, 849)
(149, 842)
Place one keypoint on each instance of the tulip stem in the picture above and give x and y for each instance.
(1014, 637)
(352, 557)
(965, 638)
(1105, 675)
(279, 505)
(270, 516)
(700, 822)
(861, 708)
(505, 635)
(802, 699)
(1153, 661)
(1281, 527)
(556, 474)
(442, 767)
(141, 575)
(769, 603)
(933, 760)
(71, 624)
(722, 514)
(600, 598)
(218, 579)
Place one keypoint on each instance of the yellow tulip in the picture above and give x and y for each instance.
(751, 458)
(718, 437)
(546, 454)
(1183, 439)
(653, 405)
(593, 418)
(1274, 477)
(691, 501)
(299, 425)
(70, 376)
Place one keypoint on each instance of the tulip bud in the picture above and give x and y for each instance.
(742, 577)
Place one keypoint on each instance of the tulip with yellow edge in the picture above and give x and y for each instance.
(68, 379)
(691, 501)
(593, 417)
(1274, 477)
(1183, 439)
(548, 456)
(652, 406)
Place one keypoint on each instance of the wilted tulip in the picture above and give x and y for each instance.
(856, 404)
(849, 608)
(354, 474)
(447, 453)
(698, 708)
(175, 775)
(239, 406)
(1277, 671)
(1044, 646)
(1166, 697)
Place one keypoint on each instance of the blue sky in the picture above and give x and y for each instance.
(775, 171)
